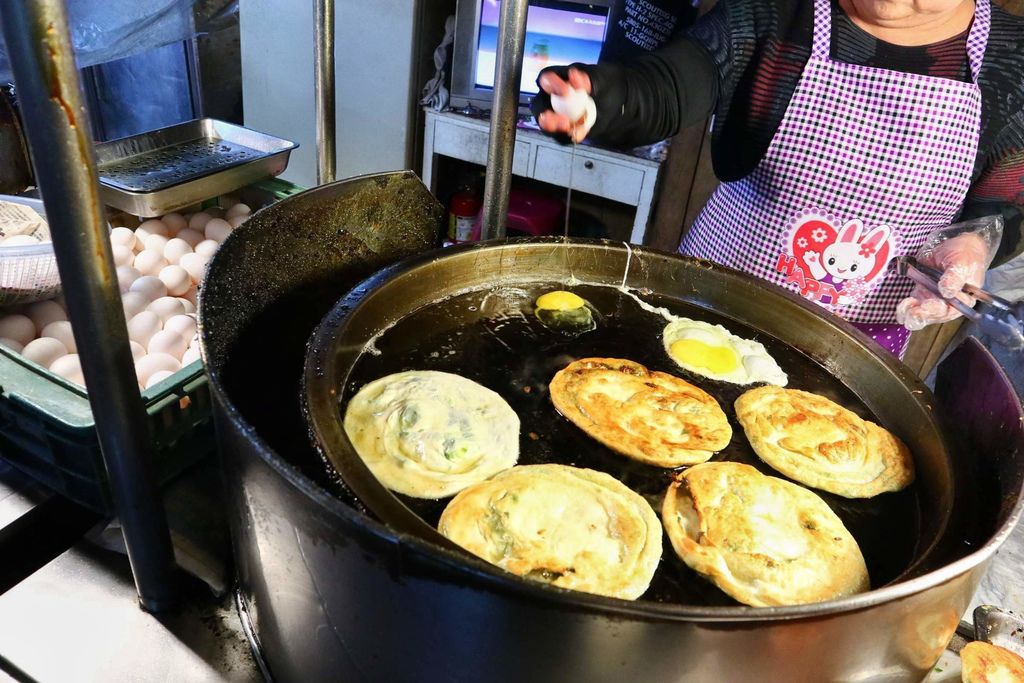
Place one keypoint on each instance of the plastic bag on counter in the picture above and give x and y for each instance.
(105, 30)
(962, 252)
(28, 268)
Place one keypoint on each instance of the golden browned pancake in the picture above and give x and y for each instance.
(762, 540)
(816, 442)
(566, 526)
(649, 416)
(986, 663)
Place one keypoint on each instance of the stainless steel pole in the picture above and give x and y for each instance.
(58, 131)
(323, 68)
(501, 145)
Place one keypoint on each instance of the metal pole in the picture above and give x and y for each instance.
(59, 135)
(507, 72)
(323, 67)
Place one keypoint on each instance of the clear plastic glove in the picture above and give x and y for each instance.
(963, 252)
(564, 111)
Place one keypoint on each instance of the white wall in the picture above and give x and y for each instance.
(375, 42)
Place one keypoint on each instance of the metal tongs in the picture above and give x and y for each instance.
(996, 317)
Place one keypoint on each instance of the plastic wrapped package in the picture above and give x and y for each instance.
(28, 268)
(105, 30)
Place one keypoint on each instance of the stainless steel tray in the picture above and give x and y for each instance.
(164, 170)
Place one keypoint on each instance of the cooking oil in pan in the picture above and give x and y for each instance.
(493, 337)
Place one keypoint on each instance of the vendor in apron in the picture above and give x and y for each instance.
(845, 133)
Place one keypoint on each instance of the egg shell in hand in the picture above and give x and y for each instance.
(43, 313)
(61, 331)
(157, 377)
(155, 362)
(165, 341)
(44, 351)
(175, 222)
(572, 105)
(123, 236)
(150, 286)
(150, 262)
(191, 237)
(11, 344)
(70, 368)
(142, 327)
(166, 307)
(18, 327)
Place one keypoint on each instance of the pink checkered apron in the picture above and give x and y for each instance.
(864, 165)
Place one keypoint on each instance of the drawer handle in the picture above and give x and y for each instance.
(589, 165)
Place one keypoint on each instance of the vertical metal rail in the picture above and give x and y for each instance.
(323, 68)
(60, 139)
(507, 73)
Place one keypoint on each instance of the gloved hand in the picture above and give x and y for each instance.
(559, 82)
(963, 253)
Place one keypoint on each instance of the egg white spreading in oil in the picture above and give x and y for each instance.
(714, 352)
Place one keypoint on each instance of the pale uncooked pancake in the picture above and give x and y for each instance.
(431, 434)
(566, 526)
(649, 416)
(987, 663)
(762, 540)
(817, 442)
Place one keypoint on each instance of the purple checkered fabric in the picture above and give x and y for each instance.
(857, 145)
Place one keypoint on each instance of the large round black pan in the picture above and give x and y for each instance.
(470, 312)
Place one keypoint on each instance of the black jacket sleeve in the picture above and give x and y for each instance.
(655, 95)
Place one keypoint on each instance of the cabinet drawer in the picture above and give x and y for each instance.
(596, 176)
(470, 145)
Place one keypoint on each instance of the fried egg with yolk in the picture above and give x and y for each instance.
(564, 312)
(713, 352)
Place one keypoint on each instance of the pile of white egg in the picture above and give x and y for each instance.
(160, 266)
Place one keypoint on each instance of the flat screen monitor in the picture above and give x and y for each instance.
(558, 33)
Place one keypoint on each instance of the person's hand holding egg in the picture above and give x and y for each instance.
(573, 110)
